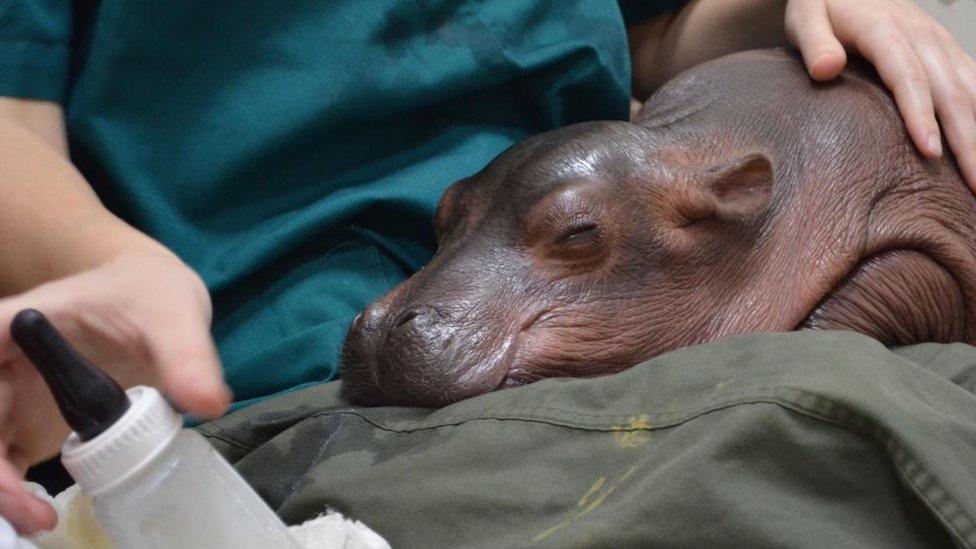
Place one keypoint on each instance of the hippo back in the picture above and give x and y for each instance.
(850, 186)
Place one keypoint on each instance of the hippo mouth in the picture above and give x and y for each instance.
(516, 373)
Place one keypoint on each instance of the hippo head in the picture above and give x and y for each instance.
(742, 198)
(575, 253)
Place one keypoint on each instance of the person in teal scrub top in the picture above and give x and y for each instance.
(182, 181)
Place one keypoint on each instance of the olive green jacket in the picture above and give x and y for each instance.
(774, 440)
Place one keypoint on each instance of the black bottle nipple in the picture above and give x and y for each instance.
(89, 400)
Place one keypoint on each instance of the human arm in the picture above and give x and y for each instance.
(129, 304)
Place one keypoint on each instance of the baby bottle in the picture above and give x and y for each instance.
(153, 484)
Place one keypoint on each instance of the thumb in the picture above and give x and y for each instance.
(808, 27)
(185, 357)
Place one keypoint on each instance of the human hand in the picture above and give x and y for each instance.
(144, 319)
(923, 65)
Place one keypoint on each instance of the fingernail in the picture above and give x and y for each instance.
(935, 144)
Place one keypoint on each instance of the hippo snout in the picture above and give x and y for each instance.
(407, 355)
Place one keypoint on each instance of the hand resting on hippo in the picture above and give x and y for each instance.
(743, 197)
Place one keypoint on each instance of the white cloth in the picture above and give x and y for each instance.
(78, 529)
(9, 539)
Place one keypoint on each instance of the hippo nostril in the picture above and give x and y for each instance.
(416, 318)
(407, 317)
(369, 319)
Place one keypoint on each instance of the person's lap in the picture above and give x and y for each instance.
(773, 439)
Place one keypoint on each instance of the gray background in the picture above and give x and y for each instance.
(959, 16)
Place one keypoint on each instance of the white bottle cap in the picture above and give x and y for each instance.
(104, 462)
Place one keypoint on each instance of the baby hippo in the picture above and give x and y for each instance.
(744, 197)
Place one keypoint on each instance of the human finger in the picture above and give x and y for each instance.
(809, 28)
(903, 72)
(21, 509)
(953, 104)
(184, 353)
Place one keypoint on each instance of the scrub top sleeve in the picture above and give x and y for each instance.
(35, 38)
(635, 11)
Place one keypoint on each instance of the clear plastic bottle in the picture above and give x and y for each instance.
(173, 489)
(153, 484)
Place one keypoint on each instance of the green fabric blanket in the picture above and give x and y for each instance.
(814, 439)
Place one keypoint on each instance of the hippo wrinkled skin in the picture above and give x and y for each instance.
(742, 198)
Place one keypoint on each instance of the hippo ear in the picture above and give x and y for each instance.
(740, 187)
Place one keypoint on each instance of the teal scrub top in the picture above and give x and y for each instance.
(293, 152)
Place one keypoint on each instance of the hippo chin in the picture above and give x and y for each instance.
(742, 198)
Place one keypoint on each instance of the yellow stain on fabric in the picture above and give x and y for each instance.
(546, 533)
(632, 434)
(596, 486)
(629, 472)
(586, 508)
(585, 505)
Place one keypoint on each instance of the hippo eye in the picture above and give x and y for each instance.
(579, 235)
